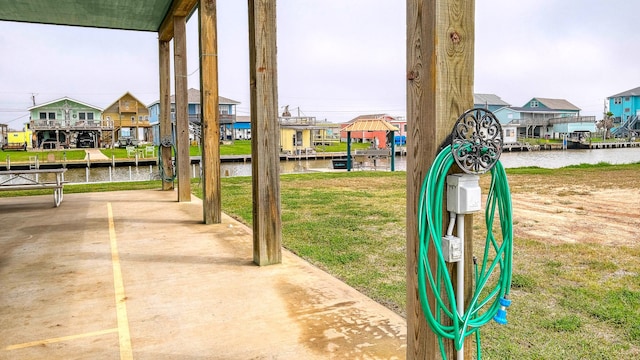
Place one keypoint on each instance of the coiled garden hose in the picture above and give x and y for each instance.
(484, 304)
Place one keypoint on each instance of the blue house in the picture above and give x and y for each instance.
(625, 107)
(544, 117)
(227, 108)
(242, 128)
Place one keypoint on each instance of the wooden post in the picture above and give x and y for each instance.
(348, 150)
(265, 161)
(165, 112)
(182, 112)
(440, 45)
(211, 188)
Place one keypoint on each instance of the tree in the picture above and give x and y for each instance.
(606, 124)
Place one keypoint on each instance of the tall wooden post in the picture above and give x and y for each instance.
(182, 112)
(265, 157)
(165, 112)
(211, 189)
(440, 45)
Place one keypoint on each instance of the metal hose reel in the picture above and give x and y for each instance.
(476, 141)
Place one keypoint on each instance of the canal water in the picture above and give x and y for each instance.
(546, 159)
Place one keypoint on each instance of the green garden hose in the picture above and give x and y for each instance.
(484, 304)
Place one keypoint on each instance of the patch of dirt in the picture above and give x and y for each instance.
(602, 208)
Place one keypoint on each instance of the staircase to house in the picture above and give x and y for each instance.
(196, 130)
(626, 127)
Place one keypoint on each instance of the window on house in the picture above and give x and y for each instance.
(617, 100)
(298, 138)
(82, 116)
(43, 116)
(224, 110)
(89, 116)
(626, 98)
(627, 110)
(140, 118)
(534, 103)
(52, 116)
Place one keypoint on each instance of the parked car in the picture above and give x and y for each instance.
(85, 140)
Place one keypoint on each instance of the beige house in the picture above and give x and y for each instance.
(130, 119)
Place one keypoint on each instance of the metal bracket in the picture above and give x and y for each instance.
(476, 141)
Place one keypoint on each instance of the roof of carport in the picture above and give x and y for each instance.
(144, 15)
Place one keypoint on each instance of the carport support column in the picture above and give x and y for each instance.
(211, 188)
(165, 113)
(265, 157)
(182, 114)
(440, 45)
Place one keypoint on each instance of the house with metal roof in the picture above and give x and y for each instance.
(625, 107)
(374, 137)
(227, 116)
(61, 123)
(545, 117)
(490, 102)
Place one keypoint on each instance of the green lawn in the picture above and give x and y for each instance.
(42, 155)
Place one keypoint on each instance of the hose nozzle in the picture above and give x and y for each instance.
(501, 316)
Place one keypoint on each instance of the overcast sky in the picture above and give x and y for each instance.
(337, 59)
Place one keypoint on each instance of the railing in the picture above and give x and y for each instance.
(224, 118)
(572, 119)
(326, 138)
(70, 125)
(304, 120)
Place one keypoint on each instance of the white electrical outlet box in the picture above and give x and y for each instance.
(463, 193)
(452, 248)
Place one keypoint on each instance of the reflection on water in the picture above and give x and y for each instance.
(545, 159)
(558, 159)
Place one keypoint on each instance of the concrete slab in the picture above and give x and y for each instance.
(136, 275)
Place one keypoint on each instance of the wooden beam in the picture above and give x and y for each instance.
(211, 189)
(180, 8)
(265, 161)
(165, 113)
(440, 44)
(182, 111)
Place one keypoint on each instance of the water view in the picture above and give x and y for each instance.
(545, 159)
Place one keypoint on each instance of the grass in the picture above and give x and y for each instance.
(42, 155)
(570, 301)
(243, 147)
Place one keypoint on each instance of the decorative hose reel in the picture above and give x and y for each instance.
(477, 141)
(166, 142)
